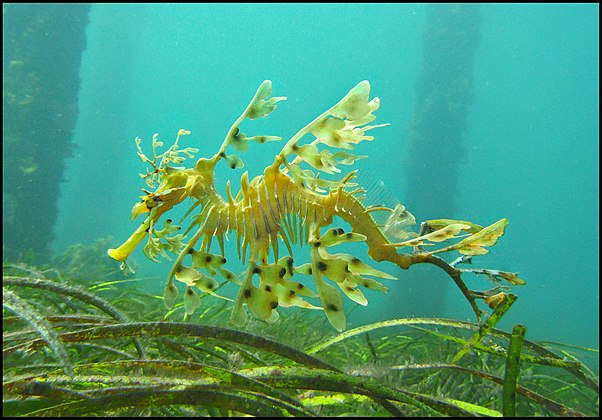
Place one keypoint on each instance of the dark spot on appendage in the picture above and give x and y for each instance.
(189, 291)
(340, 231)
(300, 286)
(179, 268)
(228, 276)
(349, 235)
(310, 271)
(291, 293)
(355, 261)
(222, 154)
(257, 270)
(267, 288)
(282, 273)
(347, 269)
(322, 266)
(247, 293)
(317, 244)
(274, 304)
(295, 147)
(191, 251)
(209, 286)
(332, 307)
(208, 258)
(224, 261)
(349, 288)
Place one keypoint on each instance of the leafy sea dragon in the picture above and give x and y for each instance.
(289, 204)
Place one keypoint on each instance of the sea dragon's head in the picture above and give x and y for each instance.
(171, 186)
(177, 183)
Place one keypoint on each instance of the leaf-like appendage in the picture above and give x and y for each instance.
(332, 302)
(260, 108)
(474, 244)
(191, 300)
(170, 293)
(261, 303)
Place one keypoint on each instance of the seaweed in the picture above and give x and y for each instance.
(68, 349)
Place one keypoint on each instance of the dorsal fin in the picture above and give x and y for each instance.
(392, 217)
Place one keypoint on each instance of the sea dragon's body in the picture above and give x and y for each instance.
(288, 205)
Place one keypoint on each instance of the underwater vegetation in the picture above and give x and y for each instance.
(291, 203)
(99, 349)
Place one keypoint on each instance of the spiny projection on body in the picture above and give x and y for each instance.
(290, 204)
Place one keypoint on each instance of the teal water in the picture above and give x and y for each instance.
(530, 148)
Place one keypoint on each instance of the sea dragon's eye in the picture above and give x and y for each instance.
(150, 201)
